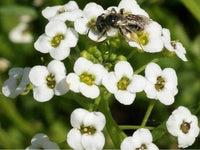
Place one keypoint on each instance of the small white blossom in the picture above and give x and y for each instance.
(141, 139)
(149, 39)
(21, 34)
(48, 80)
(4, 64)
(57, 40)
(184, 125)
(123, 83)
(87, 130)
(17, 82)
(41, 141)
(86, 24)
(132, 7)
(86, 78)
(173, 46)
(161, 84)
(69, 11)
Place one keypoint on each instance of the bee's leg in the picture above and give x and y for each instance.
(123, 33)
(104, 32)
(121, 11)
(113, 11)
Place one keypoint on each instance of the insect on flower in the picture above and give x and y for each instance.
(124, 22)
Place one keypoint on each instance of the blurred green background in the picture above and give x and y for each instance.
(22, 117)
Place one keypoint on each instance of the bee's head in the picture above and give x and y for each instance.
(100, 23)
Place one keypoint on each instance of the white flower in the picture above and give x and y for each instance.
(86, 133)
(48, 80)
(149, 39)
(17, 82)
(184, 125)
(86, 24)
(57, 40)
(69, 11)
(21, 34)
(123, 83)
(86, 78)
(161, 84)
(4, 64)
(141, 139)
(173, 46)
(41, 141)
(132, 7)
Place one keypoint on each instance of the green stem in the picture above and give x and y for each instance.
(143, 67)
(96, 103)
(148, 112)
(116, 134)
(128, 127)
(131, 54)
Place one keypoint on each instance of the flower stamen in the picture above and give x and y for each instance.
(87, 78)
(142, 147)
(123, 83)
(185, 127)
(55, 42)
(143, 37)
(160, 84)
(87, 129)
(51, 82)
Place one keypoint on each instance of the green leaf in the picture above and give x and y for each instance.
(193, 6)
(18, 10)
(159, 131)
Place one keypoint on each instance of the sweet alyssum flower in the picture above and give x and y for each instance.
(69, 11)
(161, 84)
(123, 83)
(86, 24)
(173, 46)
(86, 133)
(48, 80)
(17, 82)
(140, 140)
(86, 78)
(41, 141)
(184, 125)
(57, 40)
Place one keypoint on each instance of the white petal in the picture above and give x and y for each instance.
(123, 68)
(93, 142)
(170, 78)
(137, 84)
(50, 12)
(95, 36)
(127, 144)
(71, 5)
(74, 139)
(98, 71)
(39, 139)
(185, 141)
(38, 75)
(61, 87)
(54, 27)
(144, 135)
(50, 145)
(9, 87)
(42, 94)
(110, 82)
(152, 146)
(82, 65)
(150, 90)
(131, 5)
(16, 72)
(57, 68)
(71, 37)
(95, 119)
(77, 117)
(92, 10)
(125, 97)
(152, 71)
(89, 91)
(173, 125)
(60, 53)
(180, 51)
(167, 39)
(166, 97)
(80, 25)
(43, 44)
(73, 82)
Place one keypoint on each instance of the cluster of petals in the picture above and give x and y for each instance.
(41, 141)
(161, 84)
(135, 83)
(87, 130)
(17, 82)
(81, 66)
(141, 139)
(68, 12)
(173, 46)
(61, 48)
(183, 125)
(43, 78)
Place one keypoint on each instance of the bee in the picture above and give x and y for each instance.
(124, 22)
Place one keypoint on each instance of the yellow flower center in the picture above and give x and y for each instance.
(143, 37)
(160, 84)
(87, 78)
(87, 129)
(185, 127)
(55, 42)
(51, 82)
(142, 147)
(123, 83)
